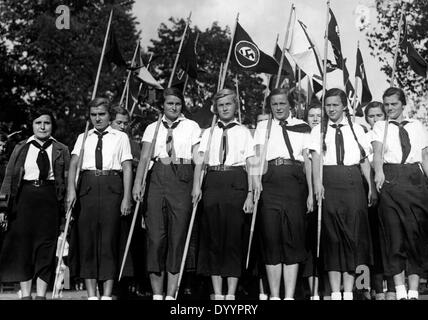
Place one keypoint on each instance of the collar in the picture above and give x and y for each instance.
(233, 121)
(109, 129)
(180, 118)
(34, 138)
(289, 119)
(344, 122)
(404, 119)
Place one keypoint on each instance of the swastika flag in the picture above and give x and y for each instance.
(247, 55)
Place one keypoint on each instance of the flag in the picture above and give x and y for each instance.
(287, 70)
(145, 76)
(187, 60)
(112, 53)
(416, 62)
(304, 52)
(247, 55)
(360, 72)
(349, 89)
(333, 37)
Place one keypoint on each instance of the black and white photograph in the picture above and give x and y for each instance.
(216, 154)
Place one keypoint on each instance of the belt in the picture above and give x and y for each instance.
(167, 161)
(223, 167)
(98, 172)
(283, 162)
(39, 183)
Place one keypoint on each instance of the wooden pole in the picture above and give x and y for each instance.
(129, 74)
(324, 84)
(391, 83)
(226, 64)
(287, 32)
(179, 51)
(237, 97)
(220, 73)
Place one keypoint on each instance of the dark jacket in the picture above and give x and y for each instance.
(9, 192)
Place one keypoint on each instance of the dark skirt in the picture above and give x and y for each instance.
(282, 215)
(29, 245)
(95, 247)
(169, 206)
(222, 240)
(345, 233)
(404, 220)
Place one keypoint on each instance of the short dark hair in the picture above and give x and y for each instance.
(277, 92)
(399, 92)
(3, 136)
(372, 105)
(336, 92)
(100, 102)
(172, 92)
(314, 105)
(36, 113)
(118, 110)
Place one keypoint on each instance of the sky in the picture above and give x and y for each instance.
(264, 19)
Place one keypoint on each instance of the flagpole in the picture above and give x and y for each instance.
(139, 87)
(281, 63)
(129, 74)
(391, 83)
(226, 64)
(179, 50)
(324, 84)
(238, 99)
(268, 78)
(356, 91)
(397, 46)
(220, 73)
(299, 86)
(55, 291)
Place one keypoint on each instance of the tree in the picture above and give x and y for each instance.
(56, 69)
(382, 41)
(212, 48)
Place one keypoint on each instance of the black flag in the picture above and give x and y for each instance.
(416, 62)
(360, 72)
(287, 70)
(113, 53)
(247, 55)
(333, 37)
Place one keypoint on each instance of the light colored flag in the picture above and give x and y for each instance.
(145, 76)
(303, 50)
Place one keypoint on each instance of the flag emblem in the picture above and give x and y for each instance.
(247, 54)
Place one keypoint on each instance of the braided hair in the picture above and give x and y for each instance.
(335, 92)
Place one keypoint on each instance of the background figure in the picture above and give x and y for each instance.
(104, 193)
(31, 201)
(373, 113)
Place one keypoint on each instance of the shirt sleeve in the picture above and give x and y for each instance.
(423, 133)
(259, 134)
(378, 130)
(204, 141)
(125, 148)
(148, 133)
(77, 145)
(362, 138)
(249, 145)
(313, 141)
(196, 134)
